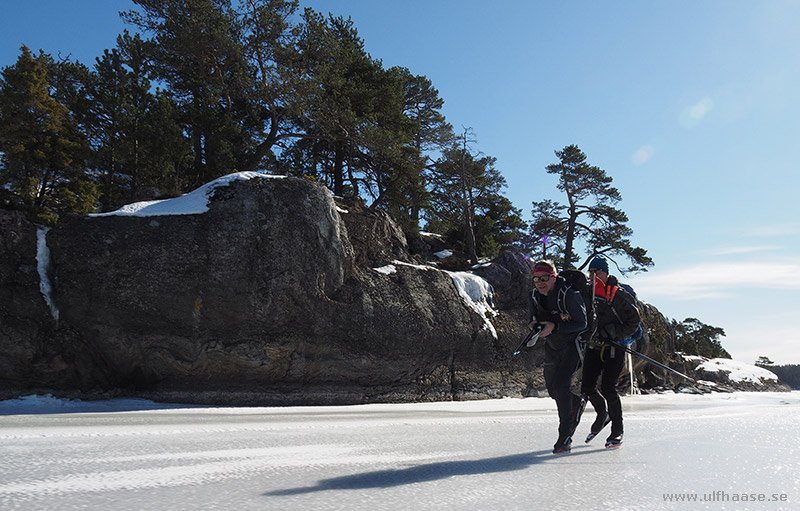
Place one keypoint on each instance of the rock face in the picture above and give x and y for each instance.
(511, 276)
(25, 320)
(276, 295)
(262, 299)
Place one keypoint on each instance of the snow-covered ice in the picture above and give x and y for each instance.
(717, 449)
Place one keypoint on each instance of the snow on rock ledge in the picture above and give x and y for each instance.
(192, 203)
(475, 291)
(736, 375)
(737, 371)
(477, 294)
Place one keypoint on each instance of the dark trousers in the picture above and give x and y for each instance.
(561, 362)
(607, 362)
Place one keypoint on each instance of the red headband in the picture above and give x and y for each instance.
(543, 268)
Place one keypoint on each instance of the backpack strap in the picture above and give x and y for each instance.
(537, 302)
(611, 304)
(562, 298)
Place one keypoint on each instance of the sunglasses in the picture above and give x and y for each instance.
(542, 278)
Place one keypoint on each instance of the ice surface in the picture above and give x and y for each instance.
(478, 455)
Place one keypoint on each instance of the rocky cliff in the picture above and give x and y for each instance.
(274, 295)
(260, 291)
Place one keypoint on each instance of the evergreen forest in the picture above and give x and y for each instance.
(198, 89)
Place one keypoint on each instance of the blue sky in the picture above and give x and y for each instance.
(692, 106)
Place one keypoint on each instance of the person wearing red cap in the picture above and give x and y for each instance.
(561, 312)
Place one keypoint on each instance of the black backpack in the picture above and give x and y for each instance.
(639, 333)
(578, 281)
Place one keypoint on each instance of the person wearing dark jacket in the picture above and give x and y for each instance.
(617, 319)
(561, 312)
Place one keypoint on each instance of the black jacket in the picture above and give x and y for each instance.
(617, 316)
(563, 306)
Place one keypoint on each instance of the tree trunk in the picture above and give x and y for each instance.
(338, 171)
(253, 161)
(350, 176)
(570, 239)
(198, 153)
(469, 233)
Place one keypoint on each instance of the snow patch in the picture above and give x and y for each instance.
(443, 253)
(475, 291)
(691, 358)
(416, 266)
(431, 235)
(738, 371)
(192, 203)
(389, 269)
(43, 265)
(477, 294)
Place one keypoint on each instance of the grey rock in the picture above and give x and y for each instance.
(272, 297)
(25, 320)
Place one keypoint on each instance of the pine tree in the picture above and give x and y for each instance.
(589, 213)
(764, 362)
(694, 337)
(357, 136)
(547, 230)
(342, 115)
(464, 190)
(498, 225)
(197, 52)
(43, 152)
(135, 133)
(282, 82)
(387, 157)
(305, 99)
(114, 118)
(431, 134)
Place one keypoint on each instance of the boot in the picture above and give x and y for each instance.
(563, 445)
(614, 440)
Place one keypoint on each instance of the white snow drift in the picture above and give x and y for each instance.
(192, 203)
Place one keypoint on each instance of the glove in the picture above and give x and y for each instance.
(627, 341)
